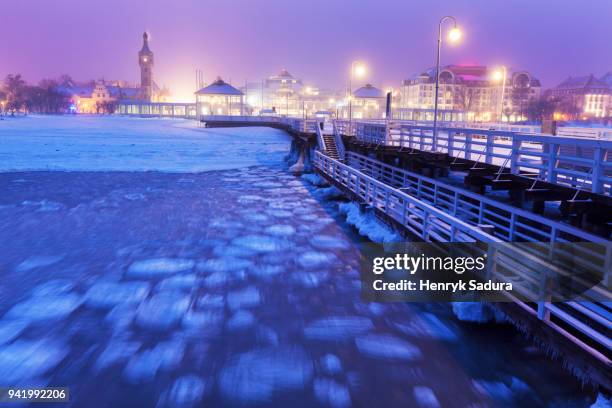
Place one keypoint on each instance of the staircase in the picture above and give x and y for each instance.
(331, 149)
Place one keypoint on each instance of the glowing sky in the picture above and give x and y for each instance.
(315, 39)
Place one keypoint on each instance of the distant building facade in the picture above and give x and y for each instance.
(585, 97)
(472, 89)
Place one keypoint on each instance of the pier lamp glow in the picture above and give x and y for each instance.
(357, 70)
(500, 75)
(454, 35)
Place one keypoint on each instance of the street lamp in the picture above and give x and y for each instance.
(454, 35)
(357, 69)
(501, 75)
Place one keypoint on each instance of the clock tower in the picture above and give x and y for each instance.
(145, 60)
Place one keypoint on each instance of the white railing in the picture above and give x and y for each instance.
(435, 212)
(339, 142)
(509, 223)
(240, 118)
(583, 132)
(418, 217)
(571, 161)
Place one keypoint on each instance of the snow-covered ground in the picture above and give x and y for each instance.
(93, 143)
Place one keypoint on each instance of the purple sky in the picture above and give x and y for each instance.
(315, 39)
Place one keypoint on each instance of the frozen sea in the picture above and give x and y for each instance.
(152, 263)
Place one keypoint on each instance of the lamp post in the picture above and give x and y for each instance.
(356, 69)
(453, 35)
(501, 75)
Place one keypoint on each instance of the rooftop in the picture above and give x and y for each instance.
(219, 87)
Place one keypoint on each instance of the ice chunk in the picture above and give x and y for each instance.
(186, 392)
(472, 312)
(11, 329)
(387, 347)
(313, 259)
(40, 308)
(109, 294)
(53, 287)
(151, 268)
(143, 367)
(260, 243)
(425, 397)
(116, 352)
(266, 271)
(257, 375)
(314, 179)
(331, 364)
(280, 213)
(242, 319)
(602, 402)
(247, 297)
(38, 262)
(211, 301)
(188, 281)
(226, 264)
(367, 224)
(428, 326)
(496, 390)
(25, 360)
(162, 311)
(308, 279)
(208, 320)
(329, 242)
(331, 393)
(337, 328)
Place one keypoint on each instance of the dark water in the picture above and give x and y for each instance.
(229, 288)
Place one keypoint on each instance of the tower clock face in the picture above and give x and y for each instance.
(145, 59)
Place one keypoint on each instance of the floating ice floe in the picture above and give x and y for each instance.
(476, 312)
(40, 308)
(121, 316)
(267, 336)
(267, 184)
(109, 294)
(207, 321)
(186, 392)
(38, 262)
(255, 217)
(267, 271)
(331, 364)
(25, 360)
(602, 402)
(11, 329)
(247, 297)
(53, 287)
(162, 311)
(134, 196)
(225, 264)
(429, 326)
(496, 390)
(330, 393)
(260, 243)
(425, 397)
(329, 242)
(337, 328)
(309, 279)
(242, 319)
(313, 259)
(143, 367)
(117, 351)
(233, 251)
(256, 376)
(280, 213)
(387, 347)
(188, 282)
(155, 267)
(211, 301)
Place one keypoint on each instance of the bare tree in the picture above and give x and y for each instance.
(15, 88)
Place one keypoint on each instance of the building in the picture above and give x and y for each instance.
(367, 102)
(585, 96)
(102, 96)
(474, 90)
(219, 98)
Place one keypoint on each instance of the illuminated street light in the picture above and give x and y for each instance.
(359, 70)
(501, 75)
(454, 35)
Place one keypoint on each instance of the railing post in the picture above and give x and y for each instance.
(598, 160)
(551, 173)
(514, 155)
(489, 148)
(468, 147)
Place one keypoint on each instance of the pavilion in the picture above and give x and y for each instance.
(219, 98)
